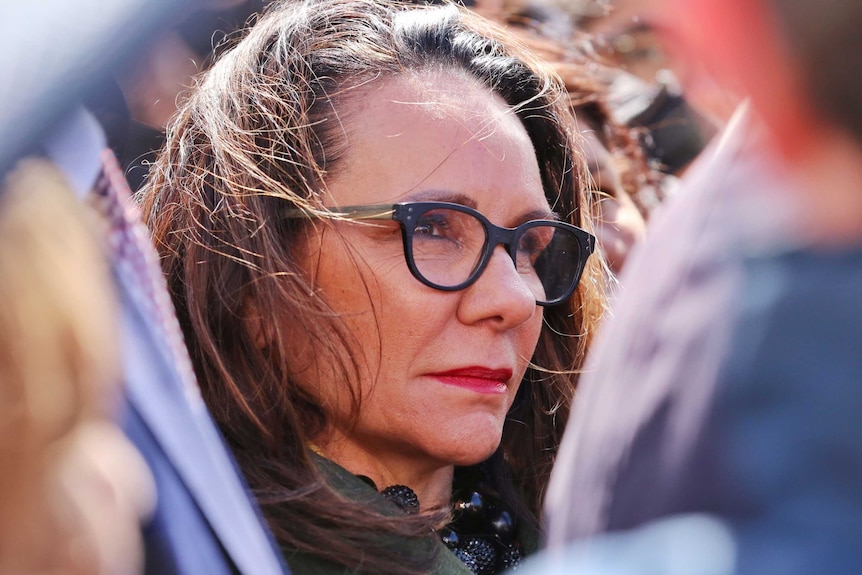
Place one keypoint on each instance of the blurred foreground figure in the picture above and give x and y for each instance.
(682, 545)
(72, 489)
(728, 382)
(73, 492)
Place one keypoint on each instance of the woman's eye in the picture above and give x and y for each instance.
(536, 241)
(434, 225)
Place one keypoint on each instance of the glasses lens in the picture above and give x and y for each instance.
(447, 246)
(552, 256)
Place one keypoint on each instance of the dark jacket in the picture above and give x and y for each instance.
(356, 489)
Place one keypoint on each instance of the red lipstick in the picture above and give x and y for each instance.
(476, 378)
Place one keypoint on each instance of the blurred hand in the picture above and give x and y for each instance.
(73, 491)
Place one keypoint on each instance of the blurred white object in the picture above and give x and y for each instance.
(682, 545)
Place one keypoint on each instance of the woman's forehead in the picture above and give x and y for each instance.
(434, 131)
(440, 95)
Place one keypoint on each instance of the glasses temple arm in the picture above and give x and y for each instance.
(373, 212)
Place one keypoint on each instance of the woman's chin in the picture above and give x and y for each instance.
(473, 448)
(473, 459)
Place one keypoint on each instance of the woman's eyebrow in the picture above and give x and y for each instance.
(464, 200)
(442, 196)
(539, 215)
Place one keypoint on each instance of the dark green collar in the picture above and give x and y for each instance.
(357, 490)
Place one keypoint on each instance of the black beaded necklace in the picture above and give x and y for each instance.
(483, 532)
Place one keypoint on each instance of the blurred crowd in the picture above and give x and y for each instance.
(203, 365)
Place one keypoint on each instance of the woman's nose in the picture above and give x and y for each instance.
(501, 295)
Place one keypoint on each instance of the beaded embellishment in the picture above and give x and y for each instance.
(482, 534)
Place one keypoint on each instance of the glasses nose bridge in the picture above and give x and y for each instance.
(500, 236)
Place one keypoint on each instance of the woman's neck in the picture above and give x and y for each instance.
(431, 481)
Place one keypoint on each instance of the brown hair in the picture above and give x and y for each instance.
(259, 134)
(587, 80)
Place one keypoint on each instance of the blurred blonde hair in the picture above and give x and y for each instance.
(58, 367)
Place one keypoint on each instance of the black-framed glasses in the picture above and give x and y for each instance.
(447, 246)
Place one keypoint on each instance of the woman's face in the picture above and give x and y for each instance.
(439, 370)
(619, 224)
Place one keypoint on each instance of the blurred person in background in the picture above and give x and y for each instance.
(627, 39)
(619, 177)
(728, 382)
(680, 107)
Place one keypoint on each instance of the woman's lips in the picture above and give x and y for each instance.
(476, 378)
